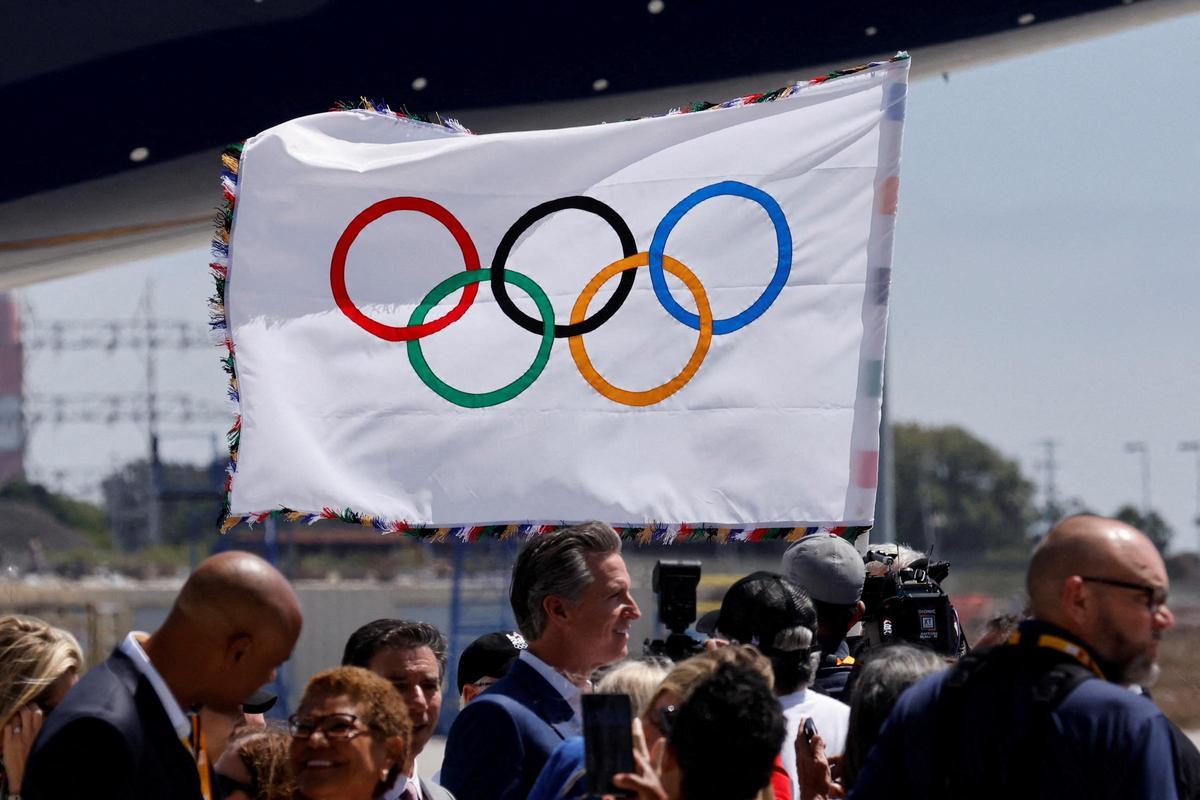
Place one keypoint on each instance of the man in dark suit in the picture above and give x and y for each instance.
(571, 599)
(122, 731)
(412, 656)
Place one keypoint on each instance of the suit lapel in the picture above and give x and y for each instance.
(159, 734)
(542, 698)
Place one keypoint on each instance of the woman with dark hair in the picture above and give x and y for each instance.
(350, 737)
(884, 675)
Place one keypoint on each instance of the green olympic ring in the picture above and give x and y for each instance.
(504, 393)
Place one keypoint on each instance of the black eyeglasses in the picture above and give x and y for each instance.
(1155, 598)
(335, 727)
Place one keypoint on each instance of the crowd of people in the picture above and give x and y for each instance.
(779, 702)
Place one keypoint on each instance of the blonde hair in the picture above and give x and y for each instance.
(637, 678)
(33, 655)
(688, 674)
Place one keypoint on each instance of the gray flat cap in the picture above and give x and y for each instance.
(826, 566)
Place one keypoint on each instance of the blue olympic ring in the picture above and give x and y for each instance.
(783, 265)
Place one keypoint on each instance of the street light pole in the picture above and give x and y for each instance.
(1193, 446)
(1140, 447)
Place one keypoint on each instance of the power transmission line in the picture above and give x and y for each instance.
(100, 408)
(146, 335)
(113, 335)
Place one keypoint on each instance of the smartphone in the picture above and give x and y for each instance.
(607, 741)
(810, 730)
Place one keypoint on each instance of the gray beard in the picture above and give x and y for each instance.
(1142, 672)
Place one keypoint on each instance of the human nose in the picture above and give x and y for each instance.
(1163, 618)
(633, 612)
(311, 739)
(417, 699)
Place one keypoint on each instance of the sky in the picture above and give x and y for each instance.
(1044, 281)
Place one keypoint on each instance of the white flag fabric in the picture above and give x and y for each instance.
(672, 324)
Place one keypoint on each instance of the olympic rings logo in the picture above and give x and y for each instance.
(498, 277)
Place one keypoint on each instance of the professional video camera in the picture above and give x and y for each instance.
(909, 604)
(675, 585)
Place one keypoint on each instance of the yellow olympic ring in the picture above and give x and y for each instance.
(650, 396)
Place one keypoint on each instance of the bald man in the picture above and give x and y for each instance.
(124, 731)
(1049, 713)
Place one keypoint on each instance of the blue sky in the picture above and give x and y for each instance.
(1044, 281)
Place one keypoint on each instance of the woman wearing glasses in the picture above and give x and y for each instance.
(350, 737)
(38, 664)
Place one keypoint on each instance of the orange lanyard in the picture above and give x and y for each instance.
(200, 752)
(1060, 644)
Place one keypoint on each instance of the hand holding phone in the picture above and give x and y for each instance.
(607, 742)
(813, 768)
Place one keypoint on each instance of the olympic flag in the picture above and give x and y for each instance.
(673, 324)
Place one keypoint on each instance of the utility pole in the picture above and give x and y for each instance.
(1193, 446)
(885, 493)
(1050, 485)
(153, 467)
(1140, 447)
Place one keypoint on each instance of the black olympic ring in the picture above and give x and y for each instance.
(624, 285)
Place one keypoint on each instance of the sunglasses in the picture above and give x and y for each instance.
(1155, 598)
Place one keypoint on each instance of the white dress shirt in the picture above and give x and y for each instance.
(397, 791)
(569, 691)
(132, 647)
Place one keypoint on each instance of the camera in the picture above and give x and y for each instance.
(674, 585)
(908, 604)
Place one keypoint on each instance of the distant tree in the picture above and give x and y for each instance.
(188, 496)
(1152, 524)
(81, 516)
(956, 490)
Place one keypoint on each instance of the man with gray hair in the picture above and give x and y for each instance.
(571, 598)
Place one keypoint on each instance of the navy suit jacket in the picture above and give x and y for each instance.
(500, 741)
(110, 738)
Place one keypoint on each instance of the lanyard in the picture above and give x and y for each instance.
(195, 744)
(1052, 642)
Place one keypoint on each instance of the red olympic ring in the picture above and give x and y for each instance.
(337, 268)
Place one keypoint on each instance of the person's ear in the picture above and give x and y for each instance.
(470, 692)
(556, 608)
(236, 648)
(857, 616)
(1073, 599)
(397, 751)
